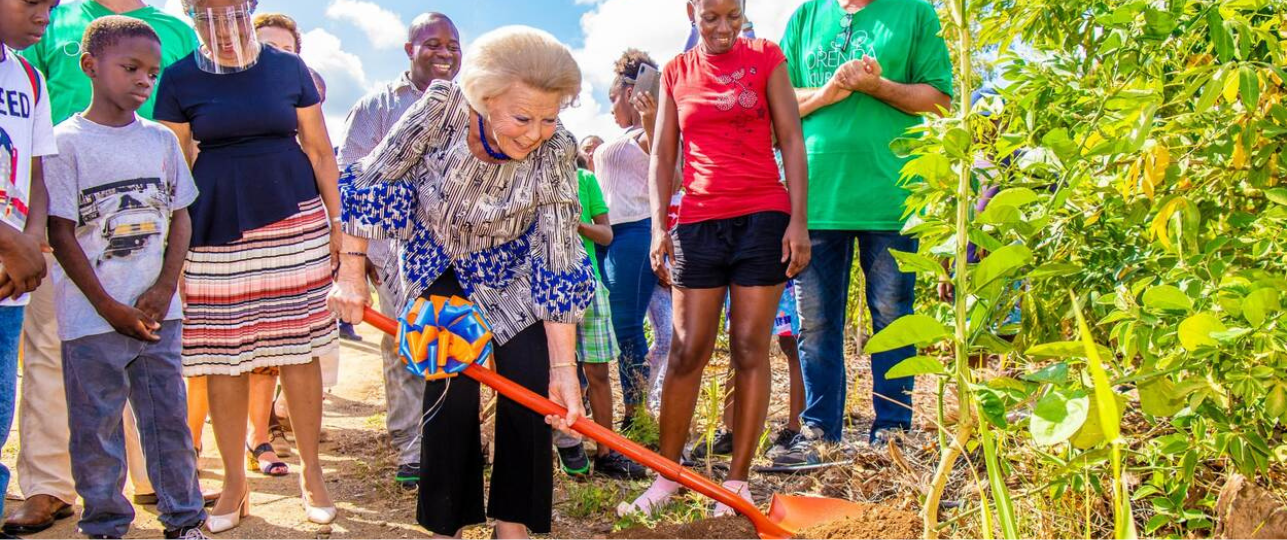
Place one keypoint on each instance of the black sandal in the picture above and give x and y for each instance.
(268, 468)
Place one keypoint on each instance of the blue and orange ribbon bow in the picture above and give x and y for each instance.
(439, 337)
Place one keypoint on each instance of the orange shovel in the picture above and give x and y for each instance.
(788, 514)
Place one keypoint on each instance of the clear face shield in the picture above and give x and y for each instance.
(228, 43)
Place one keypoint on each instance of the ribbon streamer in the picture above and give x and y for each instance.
(439, 337)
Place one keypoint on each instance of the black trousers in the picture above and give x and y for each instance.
(451, 455)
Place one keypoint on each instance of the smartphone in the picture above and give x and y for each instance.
(649, 80)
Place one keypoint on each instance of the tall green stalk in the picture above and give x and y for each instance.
(1110, 422)
(961, 371)
(961, 283)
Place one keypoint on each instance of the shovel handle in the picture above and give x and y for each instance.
(665, 467)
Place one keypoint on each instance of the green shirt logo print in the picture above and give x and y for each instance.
(823, 62)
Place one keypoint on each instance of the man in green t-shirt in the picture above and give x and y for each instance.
(44, 468)
(865, 70)
(57, 55)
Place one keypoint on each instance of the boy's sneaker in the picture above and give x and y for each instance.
(721, 446)
(408, 476)
(348, 333)
(186, 533)
(782, 442)
(574, 461)
(614, 465)
(801, 451)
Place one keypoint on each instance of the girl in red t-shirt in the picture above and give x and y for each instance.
(740, 231)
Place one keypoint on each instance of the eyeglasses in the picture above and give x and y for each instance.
(842, 41)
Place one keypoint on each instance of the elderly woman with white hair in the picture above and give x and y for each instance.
(477, 183)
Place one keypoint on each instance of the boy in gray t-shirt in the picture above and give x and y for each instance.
(118, 196)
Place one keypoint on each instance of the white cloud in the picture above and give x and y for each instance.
(345, 75)
(659, 27)
(325, 52)
(384, 28)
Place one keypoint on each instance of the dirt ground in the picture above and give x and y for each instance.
(359, 464)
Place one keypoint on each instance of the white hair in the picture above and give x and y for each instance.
(518, 55)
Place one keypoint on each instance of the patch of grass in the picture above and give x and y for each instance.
(590, 499)
(644, 429)
(375, 421)
(688, 508)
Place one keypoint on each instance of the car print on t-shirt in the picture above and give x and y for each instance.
(129, 215)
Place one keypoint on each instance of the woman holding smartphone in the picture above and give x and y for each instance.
(622, 168)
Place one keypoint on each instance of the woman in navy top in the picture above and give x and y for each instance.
(259, 268)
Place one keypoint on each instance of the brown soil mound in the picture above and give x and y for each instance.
(877, 522)
(725, 527)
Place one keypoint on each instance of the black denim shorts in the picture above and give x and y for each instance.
(744, 251)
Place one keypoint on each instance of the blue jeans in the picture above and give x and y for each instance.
(822, 295)
(627, 272)
(10, 335)
(101, 374)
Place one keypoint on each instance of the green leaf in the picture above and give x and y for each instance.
(1054, 269)
(1000, 263)
(1092, 433)
(1158, 24)
(1063, 349)
(1260, 305)
(1167, 298)
(1109, 412)
(1220, 39)
(1249, 88)
(999, 214)
(1059, 141)
(1016, 197)
(1160, 398)
(1277, 195)
(1157, 521)
(1053, 374)
(1058, 416)
(1211, 93)
(1276, 402)
(1230, 336)
(1195, 331)
(919, 330)
(928, 166)
(957, 143)
(991, 406)
(988, 342)
(916, 365)
(915, 263)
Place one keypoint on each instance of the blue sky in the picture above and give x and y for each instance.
(357, 44)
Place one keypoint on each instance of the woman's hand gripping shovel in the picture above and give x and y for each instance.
(788, 514)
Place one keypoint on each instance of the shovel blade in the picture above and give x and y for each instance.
(798, 514)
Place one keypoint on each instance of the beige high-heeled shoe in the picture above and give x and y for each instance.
(321, 515)
(217, 524)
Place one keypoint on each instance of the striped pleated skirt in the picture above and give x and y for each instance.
(260, 302)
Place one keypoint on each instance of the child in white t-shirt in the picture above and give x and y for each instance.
(118, 196)
(26, 134)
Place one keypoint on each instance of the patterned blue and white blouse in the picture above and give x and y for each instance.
(509, 230)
